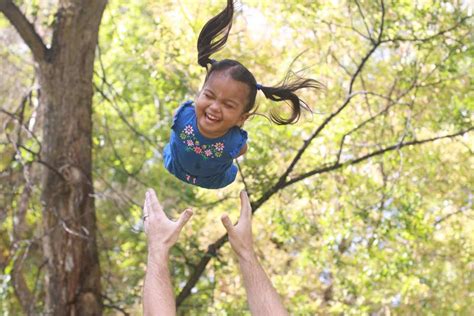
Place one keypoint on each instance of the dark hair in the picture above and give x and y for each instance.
(213, 37)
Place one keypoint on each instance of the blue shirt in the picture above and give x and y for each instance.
(198, 160)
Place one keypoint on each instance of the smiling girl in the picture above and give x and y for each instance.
(207, 133)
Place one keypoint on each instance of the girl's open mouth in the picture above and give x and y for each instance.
(211, 117)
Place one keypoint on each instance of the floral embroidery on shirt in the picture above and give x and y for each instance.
(192, 144)
(188, 130)
(191, 179)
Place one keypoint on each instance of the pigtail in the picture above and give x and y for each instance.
(286, 92)
(214, 34)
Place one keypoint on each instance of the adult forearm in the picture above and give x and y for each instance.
(262, 297)
(158, 296)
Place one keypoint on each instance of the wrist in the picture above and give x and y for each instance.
(158, 254)
(248, 255)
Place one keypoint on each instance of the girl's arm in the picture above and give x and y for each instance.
(243, 150)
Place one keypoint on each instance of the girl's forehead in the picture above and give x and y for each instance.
(223, 82)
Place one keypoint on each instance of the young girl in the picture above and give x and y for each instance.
(206, 133)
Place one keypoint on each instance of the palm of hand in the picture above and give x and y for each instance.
(162, 232)
(240, 235)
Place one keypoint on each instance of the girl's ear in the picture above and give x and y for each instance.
(243, 118)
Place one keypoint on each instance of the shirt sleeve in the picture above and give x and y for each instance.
(241, 141)
(180, 113)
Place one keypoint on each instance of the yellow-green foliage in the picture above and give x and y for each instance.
(387, 235)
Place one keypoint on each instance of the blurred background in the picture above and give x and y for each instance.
(362, 207)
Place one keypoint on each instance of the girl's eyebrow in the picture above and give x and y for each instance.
(208, 90)
(230, 101)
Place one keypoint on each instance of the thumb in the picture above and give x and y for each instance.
(184, 218)
(227, 223)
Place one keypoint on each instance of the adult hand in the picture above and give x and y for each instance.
(240, 235)
(162, 232)
(262, 297)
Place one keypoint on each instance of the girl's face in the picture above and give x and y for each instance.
(220, 104)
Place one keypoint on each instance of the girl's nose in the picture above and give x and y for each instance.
(215, 106)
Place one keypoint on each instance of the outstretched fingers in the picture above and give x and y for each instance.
(184, 218)
(154, 205)
(227, 223)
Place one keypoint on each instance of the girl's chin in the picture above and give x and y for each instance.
(209, 130)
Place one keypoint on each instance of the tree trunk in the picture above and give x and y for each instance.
(69, 224)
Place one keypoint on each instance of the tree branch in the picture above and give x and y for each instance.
(283, 182)
(200, 267)
(447, 216)
(121, 115)
(25, 29)
(349, 97)
(22, 291)
(373, 154)
(214, 247)
(431, 37)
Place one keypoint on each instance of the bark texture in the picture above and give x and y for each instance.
(65, 71)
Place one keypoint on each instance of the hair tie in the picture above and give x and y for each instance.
(259, 86)
(212, 61)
